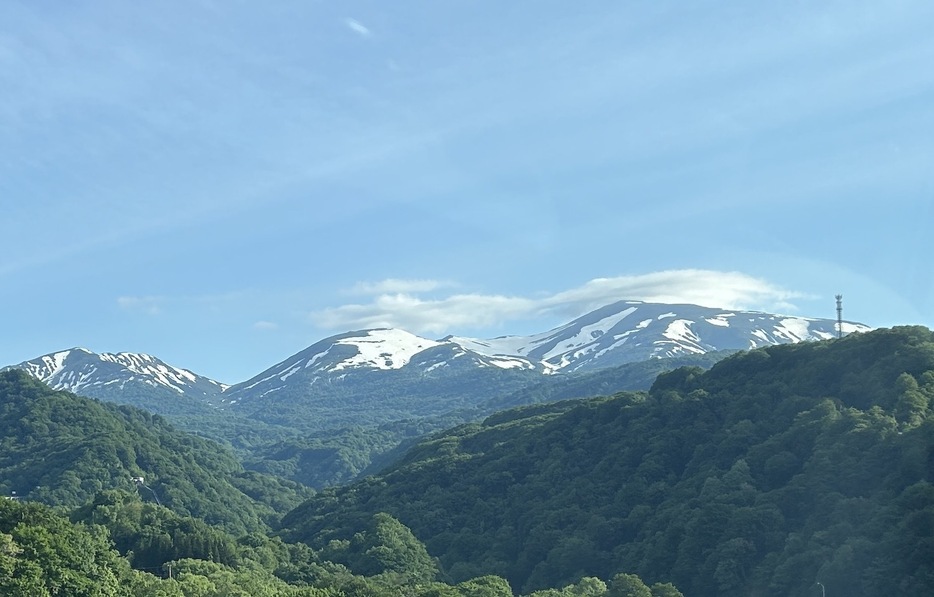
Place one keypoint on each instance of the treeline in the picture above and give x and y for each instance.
(776, 470)
(63, 449)
(43, 554)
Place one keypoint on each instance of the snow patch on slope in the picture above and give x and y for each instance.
(503, 345)
(586, 335)
(720, 320)
(151, 367)
(383, 349)
(680, 330)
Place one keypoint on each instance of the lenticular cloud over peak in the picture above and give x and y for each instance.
(401, 303)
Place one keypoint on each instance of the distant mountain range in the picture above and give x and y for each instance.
(361, 377)
(413, 376)
(351, 402)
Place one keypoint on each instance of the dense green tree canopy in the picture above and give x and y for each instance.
(776, 469)
(63, 449)
(42, 554)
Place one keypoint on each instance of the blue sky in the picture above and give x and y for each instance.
(221, 184)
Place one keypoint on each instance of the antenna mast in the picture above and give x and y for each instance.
(839, 316)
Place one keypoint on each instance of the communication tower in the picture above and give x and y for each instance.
(839, 316)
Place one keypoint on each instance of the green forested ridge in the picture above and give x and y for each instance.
(335, 431)
(371, 398)
(62, 449)
(151, 535)
(208, 540)
(338, 456)
(775, 470)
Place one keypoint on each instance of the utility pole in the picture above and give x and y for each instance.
(839, 316)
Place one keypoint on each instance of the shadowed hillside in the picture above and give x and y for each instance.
(776, 469)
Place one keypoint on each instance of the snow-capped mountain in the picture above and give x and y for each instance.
(125, 377)
(378, 364)
(369, 350)
(379, 375)
(623, 332)
(629, 331)
(79, 368)
(361, 376)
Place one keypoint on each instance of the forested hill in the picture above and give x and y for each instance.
(62, 449)
(776, 470)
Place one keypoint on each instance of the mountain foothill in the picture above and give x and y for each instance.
(642, 449)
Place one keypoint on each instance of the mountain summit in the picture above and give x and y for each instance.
(367, 351)
(375, 376)
(616, 334)
(379, 375)
(128, 378)
(629, 331)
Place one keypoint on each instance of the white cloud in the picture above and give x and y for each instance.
(150, 305)
(397, 285)
(402, 308)
(265, 326)
(357, 27)
(156, 305)
(435, 316)
(728, 290)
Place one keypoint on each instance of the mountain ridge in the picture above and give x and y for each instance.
(622, 332)
(54, 370)
(581, 343)
(137, 379)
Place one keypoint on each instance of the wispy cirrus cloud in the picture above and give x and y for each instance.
(148, 305)
(357, 27)
(265, 326)
(434, 316)
(708, 288)
(398, 285)
(399, 306)
(156, 305)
